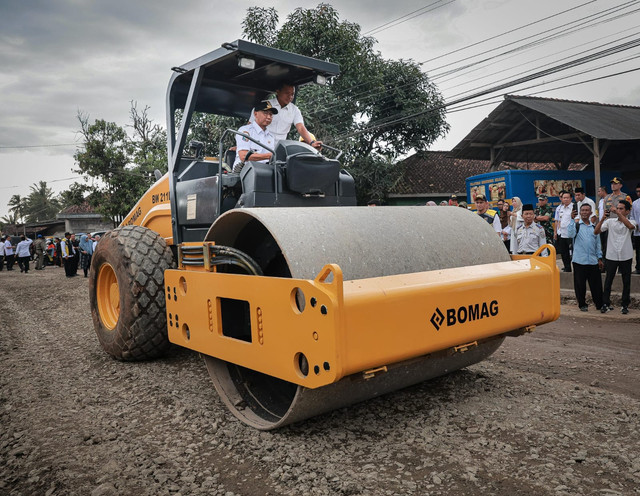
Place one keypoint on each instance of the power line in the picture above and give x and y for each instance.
(368, 94)
(493, 89)
(507, 32)
(557, 68)
(374, 92)
(393, 23)
(52, 181)
(544, 57)
(585, 81)
(587, 58)
(512, 52)
(597, 15)
(41, 146)
(594, 22)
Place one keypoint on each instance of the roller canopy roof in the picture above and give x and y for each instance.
(228, 89)
(528, 129)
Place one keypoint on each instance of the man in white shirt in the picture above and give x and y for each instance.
(2, 239)
(8, 252)
(582, 199)
(635, 238)
(258, 130)
(619, 253)
(287, 114)
(23, 252)
(560, 235)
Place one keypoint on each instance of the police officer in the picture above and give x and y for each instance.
(39, 246)
(543, 215)
(612, 199)
(247, 149)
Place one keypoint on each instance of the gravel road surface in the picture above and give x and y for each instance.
(554, 412)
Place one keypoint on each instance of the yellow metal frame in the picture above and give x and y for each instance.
(153, 210)
(345, 327)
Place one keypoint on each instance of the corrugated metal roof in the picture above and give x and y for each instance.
(531, 129)
(612, 122)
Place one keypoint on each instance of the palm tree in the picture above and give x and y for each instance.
(17, 206)
(41, 204)
(8, 219)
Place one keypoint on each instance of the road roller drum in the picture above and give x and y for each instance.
(301, 344)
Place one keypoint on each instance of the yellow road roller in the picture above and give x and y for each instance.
(299, 301)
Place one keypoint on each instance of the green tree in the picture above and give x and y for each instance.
(75, 195)
(41, 204)
(106, 156)
(9, 219)
(17, 206)
(149, 141)
(360, 110)
(120, 164)
(208, 129)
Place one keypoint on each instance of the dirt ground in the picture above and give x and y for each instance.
(553, 412)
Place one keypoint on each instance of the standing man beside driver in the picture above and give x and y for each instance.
(287, 113)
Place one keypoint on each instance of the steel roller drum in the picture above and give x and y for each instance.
(365, 242)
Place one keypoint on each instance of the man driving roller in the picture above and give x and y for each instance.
(248, 150)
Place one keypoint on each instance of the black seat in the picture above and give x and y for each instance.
(311, 173)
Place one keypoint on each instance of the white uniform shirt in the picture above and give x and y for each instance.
(1, 248)
(635, 215)
(588, 201)
(257, 133)
(563, 218)
(8, 248)
(22, 250)
(281, 123)
(619, 245)
(530, 238)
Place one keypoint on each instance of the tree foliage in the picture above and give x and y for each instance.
(74, 195)
(120, 165)
(9, 219)
(148, 142)
(364, 110)
(41, 204)
(17, 206)
(208, 129)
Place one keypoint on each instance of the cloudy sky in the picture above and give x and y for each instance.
(58, 57)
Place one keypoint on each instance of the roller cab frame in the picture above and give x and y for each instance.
(230, 81)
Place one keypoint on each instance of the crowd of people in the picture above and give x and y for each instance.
(590, 240)
(68, 252)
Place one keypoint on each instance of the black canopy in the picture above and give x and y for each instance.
(228, 89)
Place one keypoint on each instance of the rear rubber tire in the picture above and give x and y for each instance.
(126, 291)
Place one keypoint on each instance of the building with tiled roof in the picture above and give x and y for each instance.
(435, 175)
